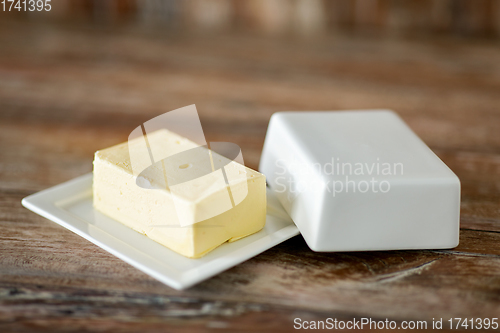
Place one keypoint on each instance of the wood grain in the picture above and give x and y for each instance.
(66, 91)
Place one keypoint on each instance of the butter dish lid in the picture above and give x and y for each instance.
(360, 181)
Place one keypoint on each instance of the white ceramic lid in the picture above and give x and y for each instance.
(360, 181)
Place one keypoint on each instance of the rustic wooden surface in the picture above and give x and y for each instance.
(68, 91)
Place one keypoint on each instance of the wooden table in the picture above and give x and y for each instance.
(67, 91)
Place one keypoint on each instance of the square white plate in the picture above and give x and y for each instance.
(70, 205)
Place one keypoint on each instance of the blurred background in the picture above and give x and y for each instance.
(472, 18)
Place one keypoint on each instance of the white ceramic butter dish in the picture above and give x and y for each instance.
(70, 205)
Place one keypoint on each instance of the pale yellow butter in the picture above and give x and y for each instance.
(160, 212)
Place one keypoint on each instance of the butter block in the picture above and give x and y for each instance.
(360, 181)
(191, 217)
